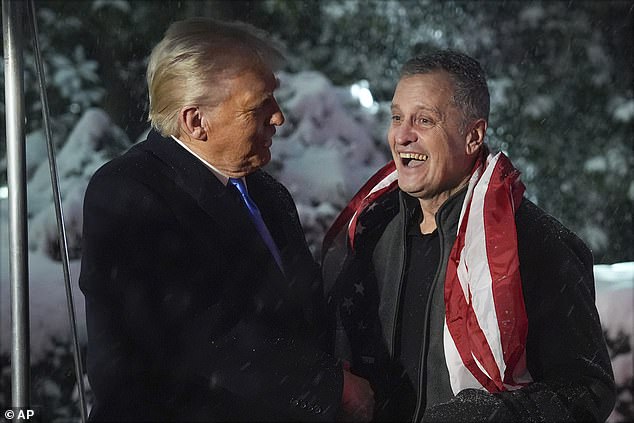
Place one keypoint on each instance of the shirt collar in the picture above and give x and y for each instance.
(224, 179)
(414, 216)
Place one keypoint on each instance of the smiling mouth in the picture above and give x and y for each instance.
(413, 159)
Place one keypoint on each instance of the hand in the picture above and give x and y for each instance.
(357, 402)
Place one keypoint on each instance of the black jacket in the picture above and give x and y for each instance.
(566, 352)
(189, 318)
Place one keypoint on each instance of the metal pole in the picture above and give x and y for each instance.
(57, 200)
(12, 23)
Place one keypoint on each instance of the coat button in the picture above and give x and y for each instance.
(294, 402)
(317, 410)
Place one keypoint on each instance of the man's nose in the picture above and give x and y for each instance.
(404, 134)
(277, 118)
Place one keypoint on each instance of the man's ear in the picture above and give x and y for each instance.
(190, 120)
(475, 136)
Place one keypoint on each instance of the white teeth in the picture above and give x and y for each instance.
(414, 156)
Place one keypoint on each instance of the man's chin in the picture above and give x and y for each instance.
(261, 162)
(410, 187)
(257, 163)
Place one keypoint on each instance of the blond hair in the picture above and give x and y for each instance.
(193, 60)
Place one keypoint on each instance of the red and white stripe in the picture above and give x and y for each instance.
(486, 324)
(382, 182)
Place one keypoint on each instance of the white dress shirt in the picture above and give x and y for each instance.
(224, 179)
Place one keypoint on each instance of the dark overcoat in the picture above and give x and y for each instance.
(189, 317)
(566, 352)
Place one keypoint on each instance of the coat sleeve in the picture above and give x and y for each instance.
(566, 350)
(149, 354)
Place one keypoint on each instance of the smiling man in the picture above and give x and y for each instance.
(203, 302)
(458, 299)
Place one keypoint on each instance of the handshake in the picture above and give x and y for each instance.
(357, 401)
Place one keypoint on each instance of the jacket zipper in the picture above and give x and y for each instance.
(400, 279)
(422, 386)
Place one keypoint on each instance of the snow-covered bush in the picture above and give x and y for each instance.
(93, 141)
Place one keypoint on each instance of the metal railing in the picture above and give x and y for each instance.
(13, 15)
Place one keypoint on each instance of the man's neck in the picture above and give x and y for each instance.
(224, 179)
(428, 224)
(430, 207)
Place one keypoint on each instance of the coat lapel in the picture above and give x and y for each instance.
(220, 202)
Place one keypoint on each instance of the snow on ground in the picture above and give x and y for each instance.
(47, 298)
(615, 303)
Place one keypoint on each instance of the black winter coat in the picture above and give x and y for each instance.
(189, 318)
(566, 351)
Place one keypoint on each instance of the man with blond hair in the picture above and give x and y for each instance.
(203, 301)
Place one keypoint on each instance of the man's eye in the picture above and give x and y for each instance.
(424, 121)
(396, 118)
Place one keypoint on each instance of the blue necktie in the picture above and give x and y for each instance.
(256, 217)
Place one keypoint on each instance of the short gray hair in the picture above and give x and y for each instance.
(471, 93)
(189, 65)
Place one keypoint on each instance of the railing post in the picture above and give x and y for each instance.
(12, 24)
